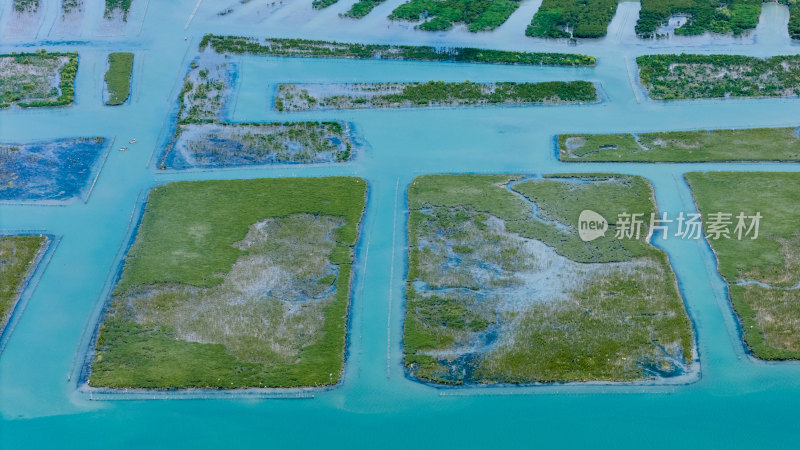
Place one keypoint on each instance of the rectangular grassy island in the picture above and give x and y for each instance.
(37, 79)
(203, 139)
(18, 258)
(234, 284)
(440, 15)
(302, 97)
(118, 77)
(674, 77)
(757, 144)
(327, 49)
(763, 274)
(501, 289)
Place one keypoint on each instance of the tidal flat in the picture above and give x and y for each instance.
(302, 97)
(500, 288)
(58, 170)
(234, 284)
(755, 144)
(763, 274)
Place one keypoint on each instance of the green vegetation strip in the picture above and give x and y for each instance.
(118, 77)
(439, 15)
(17, 257)
(769, 312)
(670, 77)
(324, 49)
(362, 7)
(234, 284)
(30, 79)
(293, 97)
(572, 19)
(499, 293)
(759, 144)
(321, 4)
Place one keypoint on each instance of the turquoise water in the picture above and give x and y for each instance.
(737, 402)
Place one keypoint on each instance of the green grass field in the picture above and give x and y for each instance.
(475, 312)
(758, 144)
(17, 255)
(188, 310)
(769, 315)
(118, 77)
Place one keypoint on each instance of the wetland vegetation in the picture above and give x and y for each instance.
(234, 284)
(203, 139)
(759, 144)
(121, 7)
(300, 97)
(18, 255)
(118, 77)
(57, 170)
(440, 15)
(572, 19)
(325, 49)
(362, 7)
(26, 6)
(37, 79)
(235, 144)
(500, 288)
(763, 274)
(717, 16)
(671, 77)
(69, 6)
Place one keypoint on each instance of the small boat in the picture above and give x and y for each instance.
(123, 149)
(132, 141)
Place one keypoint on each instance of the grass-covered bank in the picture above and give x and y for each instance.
(233, 284)
(37, 79)
(325, 49)
(118, 77)
(17, 257)
(439, 15)
(757, 144)
(763, 274)
(684, 76)
(500, 289)
(572, 19)
(300, 97)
